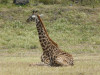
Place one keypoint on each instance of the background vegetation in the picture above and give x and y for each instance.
(81, 2)
(75, 26)
(79, 27)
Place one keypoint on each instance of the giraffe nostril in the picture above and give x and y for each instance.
(72, 64)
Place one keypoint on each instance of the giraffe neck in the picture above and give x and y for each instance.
(44, 38)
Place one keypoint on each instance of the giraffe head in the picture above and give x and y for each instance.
(33, 17)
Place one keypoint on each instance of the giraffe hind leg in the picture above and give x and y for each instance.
(63, 61)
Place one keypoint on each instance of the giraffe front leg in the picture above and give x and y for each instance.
(45, 59)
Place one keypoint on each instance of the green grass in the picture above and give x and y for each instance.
(75, 29)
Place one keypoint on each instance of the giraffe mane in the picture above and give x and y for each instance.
(46, 31)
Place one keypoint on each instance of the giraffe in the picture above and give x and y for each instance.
(52, 55)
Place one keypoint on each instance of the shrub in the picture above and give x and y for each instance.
(80, 2)
(3, 1)
(50, 1)
(46, 1)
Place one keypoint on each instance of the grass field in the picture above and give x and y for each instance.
(76, 29)
(85, 64)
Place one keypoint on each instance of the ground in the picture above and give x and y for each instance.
(27, 64)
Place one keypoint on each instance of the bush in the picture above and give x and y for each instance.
(46, 1)
(3, 1)
(80, 2)
(50, 1)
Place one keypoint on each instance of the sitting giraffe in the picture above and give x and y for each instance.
(52, 55)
